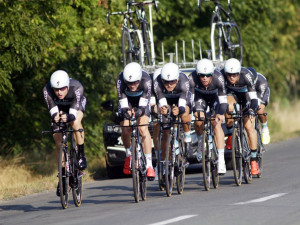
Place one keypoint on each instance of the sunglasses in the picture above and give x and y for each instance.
(169, 81)
(232, 74)
(205, 75)
(60, 89)
(132, 83)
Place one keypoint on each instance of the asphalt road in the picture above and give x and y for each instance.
(273, 199)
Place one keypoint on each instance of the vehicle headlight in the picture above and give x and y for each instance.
(117, 130)
(109, 129)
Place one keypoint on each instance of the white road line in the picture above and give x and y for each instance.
(173, 220)
(261, 199)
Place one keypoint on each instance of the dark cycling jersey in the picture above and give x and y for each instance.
(139, 98)
(244, 89)
(214, 95)
(180, 96)
(74, 101)
(262, 89)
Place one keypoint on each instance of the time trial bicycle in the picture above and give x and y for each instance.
(69, 173)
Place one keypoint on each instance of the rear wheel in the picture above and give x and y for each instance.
(236, 157)
(169, 167)
(134, 170)
(206, 166)
(63, 177)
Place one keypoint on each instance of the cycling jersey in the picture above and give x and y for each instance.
(74, 101)
(139, 99)
(262, 89)
(244, 90)
(180, 96)
(213, 96)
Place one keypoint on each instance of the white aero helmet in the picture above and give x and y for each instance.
(59, 79)
(205, 66)
(156, 73)
(169, 72)
(132, 72)
(232, 66)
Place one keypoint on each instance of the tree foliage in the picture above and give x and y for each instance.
(39, 37)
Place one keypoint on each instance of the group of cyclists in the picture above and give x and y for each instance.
(169, 92)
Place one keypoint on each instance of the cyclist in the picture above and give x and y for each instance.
(172, 90)
(263, 95)
(208, 88)
(134, 92)
(240, 84)
(66, 102)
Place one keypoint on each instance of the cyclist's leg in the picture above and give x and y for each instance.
(199, 107)
(79, 137)
(229, 122)
(264, 125)
(219, 138)
(146, 142)
(185, 117)
(252, 136)
(126, 139)
(57, 138)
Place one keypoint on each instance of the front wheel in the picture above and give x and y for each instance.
(236, 157)
(180, 173)
(169, 167)
(63, 176)
(160, 165)
(134, 170)
(246, 159)
(206, 166)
